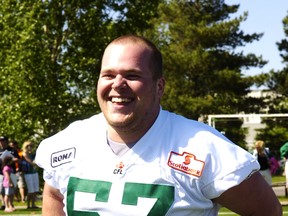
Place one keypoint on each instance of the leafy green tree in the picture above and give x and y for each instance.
(275, 133)
(203, 71)
(231, 128)
(277, 81)
(50, 58)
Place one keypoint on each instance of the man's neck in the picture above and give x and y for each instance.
(123, 136)
(133, 132)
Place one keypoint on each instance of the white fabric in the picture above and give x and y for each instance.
(80, 154)
(286, 172)
(14, 179)
(32, 182)
(1, 182)
(5, 153)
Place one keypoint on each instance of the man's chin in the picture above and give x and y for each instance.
(119, 120)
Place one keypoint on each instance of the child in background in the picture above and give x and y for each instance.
(8, 183)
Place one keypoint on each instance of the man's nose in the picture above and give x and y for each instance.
(119, 82)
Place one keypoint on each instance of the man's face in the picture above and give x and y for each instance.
(128, 96)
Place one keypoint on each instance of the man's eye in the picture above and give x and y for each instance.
(108, 76)
(132, 77)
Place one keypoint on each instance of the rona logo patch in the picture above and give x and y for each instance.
(62, 157)
(186, 162)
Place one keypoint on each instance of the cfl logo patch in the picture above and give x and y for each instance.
(186, 162)
(119, 168)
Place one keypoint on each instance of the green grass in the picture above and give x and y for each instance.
(21, 209)
(38, 212)
(227, 212)
(278, 179)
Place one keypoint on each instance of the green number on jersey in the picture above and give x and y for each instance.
(164, 195)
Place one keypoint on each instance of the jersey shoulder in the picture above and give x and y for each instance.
(65, 142)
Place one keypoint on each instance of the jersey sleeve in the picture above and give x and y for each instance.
(227, 165)
(51, 147)
(43, 160)
(57, 154)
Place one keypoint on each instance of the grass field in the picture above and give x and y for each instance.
(226, 212)
(22, 211)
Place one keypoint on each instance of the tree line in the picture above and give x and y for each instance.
(51, 52)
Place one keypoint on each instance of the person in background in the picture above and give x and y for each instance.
(20, 189)
(30, 171)
(261, 153)
(2, 193)
(8, 183)
(284, 156)
(146, 159)
(7, 150)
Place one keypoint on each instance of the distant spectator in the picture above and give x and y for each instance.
(8, 184)
(262, 155)
(20, 189)
(7, 150)
(2, 139)
(284, 155)
(31, 177)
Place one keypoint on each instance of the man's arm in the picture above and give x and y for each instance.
(252, 197)
(52, 202)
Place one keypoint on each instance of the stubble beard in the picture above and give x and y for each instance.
(134, 123)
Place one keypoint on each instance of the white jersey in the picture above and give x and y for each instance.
(176, 168)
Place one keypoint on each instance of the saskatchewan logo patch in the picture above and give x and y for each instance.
(186, 162)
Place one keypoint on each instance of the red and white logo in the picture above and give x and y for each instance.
(120, 165)
(119, 168)
(186, 162)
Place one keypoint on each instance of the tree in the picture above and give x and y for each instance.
(50, 58)
(203, 72)
(275, 133)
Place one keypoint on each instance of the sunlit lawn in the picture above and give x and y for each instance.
(38, 212)
(226, 212)
(23, 210)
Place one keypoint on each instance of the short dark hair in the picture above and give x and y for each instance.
(156, 62)
(3, 138)
(7, 160)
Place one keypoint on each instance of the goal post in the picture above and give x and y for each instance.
(246, 117)
(250, 121)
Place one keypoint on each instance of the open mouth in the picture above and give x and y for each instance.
(120, 100)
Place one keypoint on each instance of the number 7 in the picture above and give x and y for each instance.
(132, 191)
(163, 193)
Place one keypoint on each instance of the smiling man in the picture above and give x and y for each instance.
(136, 159)
(129, 89)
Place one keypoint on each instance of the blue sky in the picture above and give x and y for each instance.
(264, 16)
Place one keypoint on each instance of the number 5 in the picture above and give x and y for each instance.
(132, 191)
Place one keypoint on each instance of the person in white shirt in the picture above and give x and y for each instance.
(136, 159)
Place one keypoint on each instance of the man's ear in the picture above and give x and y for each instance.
(160, 87)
